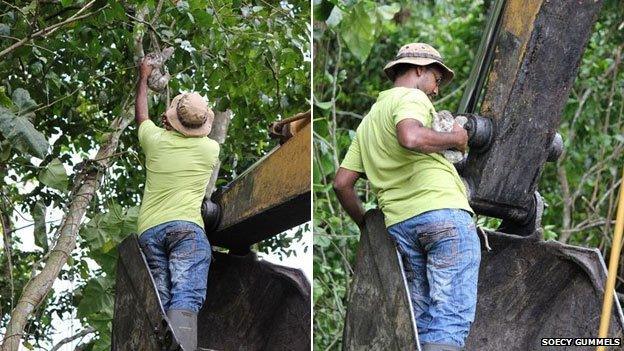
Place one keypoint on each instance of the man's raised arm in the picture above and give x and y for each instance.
(140, 103)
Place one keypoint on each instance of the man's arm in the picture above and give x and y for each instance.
(414, 136)
(344, 186)
(140, 103)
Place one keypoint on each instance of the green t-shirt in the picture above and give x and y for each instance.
(178, 171)
(407, 183)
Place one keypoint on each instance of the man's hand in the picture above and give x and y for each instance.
(145, 69)
(462, 137)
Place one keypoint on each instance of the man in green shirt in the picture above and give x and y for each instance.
(179, 161)
(422, 197)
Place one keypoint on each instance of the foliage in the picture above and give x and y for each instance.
(17, 128)
(60, 91)
(350, 52)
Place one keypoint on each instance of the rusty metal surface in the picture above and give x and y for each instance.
(138, 322)
(531, 289)
(528, 289)
(268, 199)
(535, 62)
(250, 305)
(286, 128)
(379, 316)
(254, 305)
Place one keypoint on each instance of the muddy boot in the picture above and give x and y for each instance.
(440, 347)
(184, 325)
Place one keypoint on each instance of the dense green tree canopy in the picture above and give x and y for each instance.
(67, 69)
(353, 40)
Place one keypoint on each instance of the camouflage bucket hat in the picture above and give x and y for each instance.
(189, 114)
(419, 54)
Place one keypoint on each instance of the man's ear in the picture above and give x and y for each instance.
(419, 70)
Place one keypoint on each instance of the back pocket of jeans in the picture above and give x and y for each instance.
(181, 242)
(441, 243)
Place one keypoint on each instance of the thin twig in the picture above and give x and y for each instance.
(350, 114)
(148, 24)
(30, 225)
(81, 87)
(51, 29)
(6, 230)
(334, 125)
(157, 12)
(452, 93)
(31, 44)
(69, 339)
(26, 17)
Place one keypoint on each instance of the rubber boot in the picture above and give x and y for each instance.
(440, 347)
(184, 325)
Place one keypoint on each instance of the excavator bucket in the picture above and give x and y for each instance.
(380, 312)
(251, 305)
(139, 321)
(528, 289)
(531, 289)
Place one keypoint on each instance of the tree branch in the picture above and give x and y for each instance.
(7, 231)
(51, 29)
(568, 204)
(218, 134)
(157, 12)
(69, 339)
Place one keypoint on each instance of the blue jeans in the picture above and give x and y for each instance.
(178, 255)
(441, 253)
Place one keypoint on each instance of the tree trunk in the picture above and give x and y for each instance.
(218, 134)
(86, 184)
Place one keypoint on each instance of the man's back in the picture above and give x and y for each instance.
(407, 182)
(178, 171)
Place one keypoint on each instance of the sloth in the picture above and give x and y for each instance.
(443, 122)
(158, 79)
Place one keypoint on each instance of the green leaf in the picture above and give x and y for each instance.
(21, 99)
(5, 29)
(54, 175)
(334, 17)
(98, 232)
(97, 297)
(5, 151)
(4, 99)
(387, 12)
(358, 29)
(103, 343)
(22, 134)
(322, 241)
(324, 105)
(129, 224)
(39, 216)
(317, 292)
(106, 260)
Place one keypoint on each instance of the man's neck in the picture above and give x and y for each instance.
(405, 82)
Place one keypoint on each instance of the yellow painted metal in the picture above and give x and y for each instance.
(607, 305)
(517, 24)
(271, 196)
(282, 175)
